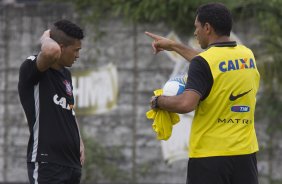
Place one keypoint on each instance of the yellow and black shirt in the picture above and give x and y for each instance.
(226, 77)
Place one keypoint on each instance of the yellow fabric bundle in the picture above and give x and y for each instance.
(163, 120)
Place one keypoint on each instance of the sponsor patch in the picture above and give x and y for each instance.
(240, 108)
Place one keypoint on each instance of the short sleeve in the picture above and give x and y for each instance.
(29, 74)
(200, 77)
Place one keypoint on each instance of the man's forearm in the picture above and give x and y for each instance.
(173, 104)
(50, 52)
(183, 103)
(185, 51)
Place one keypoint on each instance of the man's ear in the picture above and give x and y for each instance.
(208, 28)
(61, 46)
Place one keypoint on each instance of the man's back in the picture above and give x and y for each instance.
(224, 120)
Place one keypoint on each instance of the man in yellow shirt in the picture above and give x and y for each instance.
(222, 87)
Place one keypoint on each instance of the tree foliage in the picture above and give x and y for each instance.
(177, 14)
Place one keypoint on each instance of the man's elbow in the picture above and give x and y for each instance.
(51, 51)
(185, 108)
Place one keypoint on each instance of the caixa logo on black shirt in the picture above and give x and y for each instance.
(62, 102)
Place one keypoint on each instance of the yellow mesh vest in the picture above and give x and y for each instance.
(224, 122)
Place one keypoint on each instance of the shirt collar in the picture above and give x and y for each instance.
(224, 44)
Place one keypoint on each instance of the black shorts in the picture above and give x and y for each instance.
(241, 169)
(49, 173)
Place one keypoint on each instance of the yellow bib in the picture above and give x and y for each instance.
(224, 121)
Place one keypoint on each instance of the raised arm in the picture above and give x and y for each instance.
(161, 43)
(50, 52)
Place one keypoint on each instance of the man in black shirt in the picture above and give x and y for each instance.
(55, 150)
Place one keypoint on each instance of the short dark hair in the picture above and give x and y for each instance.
(64, 32)
(218, 16)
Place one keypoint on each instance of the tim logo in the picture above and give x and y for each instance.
(68, 87)
(237, 64)
(240, 108)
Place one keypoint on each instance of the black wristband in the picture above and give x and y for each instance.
(155, 102)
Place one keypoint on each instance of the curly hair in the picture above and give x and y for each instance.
(64, 32)
(218, 16)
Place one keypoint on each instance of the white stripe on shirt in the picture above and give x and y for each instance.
(36, 124)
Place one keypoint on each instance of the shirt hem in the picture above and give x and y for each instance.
(222, 154)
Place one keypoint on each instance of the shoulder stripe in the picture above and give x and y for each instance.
(32, 58)
(36, 124)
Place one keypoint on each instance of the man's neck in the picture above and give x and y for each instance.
(219, 39)
(56, 66)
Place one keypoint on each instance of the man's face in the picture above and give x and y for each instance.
(70, 53)
(200, 34)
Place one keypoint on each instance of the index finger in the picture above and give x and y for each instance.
(154, 36)
(47, 32)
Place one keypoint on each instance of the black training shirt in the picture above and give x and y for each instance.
(47, 100)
